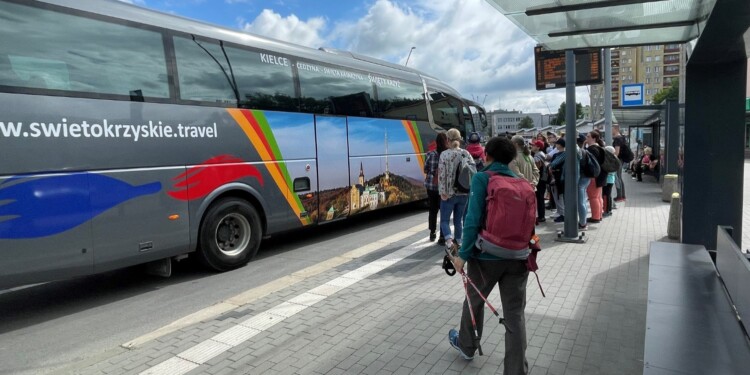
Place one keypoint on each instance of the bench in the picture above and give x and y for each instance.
(691, 322)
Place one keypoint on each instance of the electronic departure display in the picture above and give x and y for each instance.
(550, 68)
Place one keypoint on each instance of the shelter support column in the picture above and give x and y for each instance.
(672, 137)
(570, 228)
(714, 151)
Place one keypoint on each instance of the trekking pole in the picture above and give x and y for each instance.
(492, 308)
(494, 311)
(465, 278)
(477, 339)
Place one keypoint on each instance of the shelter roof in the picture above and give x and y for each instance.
(573, 24)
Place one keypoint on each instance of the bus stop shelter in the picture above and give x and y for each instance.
(714, 129)
(697, 305)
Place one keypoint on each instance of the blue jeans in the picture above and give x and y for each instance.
(455, 205)
(583, 199)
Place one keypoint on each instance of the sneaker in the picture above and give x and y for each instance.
(453, 340)
(583, 227)
(541, 220)
(432, 236)
(441, 241)
(592, 220)
(607, 214)
(560, 219)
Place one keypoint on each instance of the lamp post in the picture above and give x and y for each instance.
(407, 57)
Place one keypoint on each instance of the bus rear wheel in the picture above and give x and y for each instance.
(230, 234)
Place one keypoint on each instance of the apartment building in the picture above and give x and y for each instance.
(655, 66)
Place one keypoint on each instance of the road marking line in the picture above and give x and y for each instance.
(307, 299)
(251, 295)
(236, 335)
(204, 351)
(174, 365)
(211, 348)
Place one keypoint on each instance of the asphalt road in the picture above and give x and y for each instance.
(49, 327)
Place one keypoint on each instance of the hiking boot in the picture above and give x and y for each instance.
(453, 340)
(432, 236)
(560, 219)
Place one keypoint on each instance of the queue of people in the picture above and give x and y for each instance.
(540, 164)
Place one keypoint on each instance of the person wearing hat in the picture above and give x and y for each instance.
(475, 149)
(541, 186)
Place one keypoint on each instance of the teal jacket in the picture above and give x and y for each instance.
(475, 210)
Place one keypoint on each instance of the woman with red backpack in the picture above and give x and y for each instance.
(508, 268)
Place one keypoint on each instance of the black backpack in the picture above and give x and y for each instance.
(626, 154)
(589, 166)
(610, 163)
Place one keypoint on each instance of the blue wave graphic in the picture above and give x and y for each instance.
(39, 207)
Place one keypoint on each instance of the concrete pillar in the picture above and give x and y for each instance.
(669, 186)
(674, 225)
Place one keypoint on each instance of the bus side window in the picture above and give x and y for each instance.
(201, 78)
(334, 90)
(401, 100)
(75, 53)
(446, 111)
(264, 80)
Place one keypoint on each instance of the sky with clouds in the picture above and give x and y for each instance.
(466, 43)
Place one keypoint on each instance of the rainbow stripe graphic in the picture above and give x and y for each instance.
(416, 141)
(258, 131)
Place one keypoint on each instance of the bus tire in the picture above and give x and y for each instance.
(230, 234)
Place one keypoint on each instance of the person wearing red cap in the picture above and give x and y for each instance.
(537, 148)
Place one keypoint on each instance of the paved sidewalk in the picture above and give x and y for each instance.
(390, 312)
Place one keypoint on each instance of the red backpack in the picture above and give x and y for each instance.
(510, 218)
(510, 214)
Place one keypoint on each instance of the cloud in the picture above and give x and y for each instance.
(137, 2)
(466, 43)
(290, 29)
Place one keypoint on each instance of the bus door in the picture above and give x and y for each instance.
(333, 168)
(45, 227)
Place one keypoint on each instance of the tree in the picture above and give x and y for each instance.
(561, 113)
(671, 92)
(526, 123)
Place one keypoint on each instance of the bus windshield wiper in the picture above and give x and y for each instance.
(231, 79)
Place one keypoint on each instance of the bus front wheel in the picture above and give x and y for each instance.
(230, 234)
